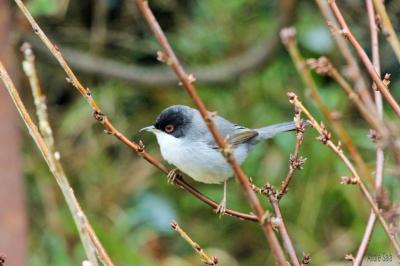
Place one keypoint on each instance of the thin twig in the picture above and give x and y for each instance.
(278, 221)
(47, 134)
(39, 99)
(187, 80)
(352, 70)
(109, 127)
(379, 150)
(345, 30)
(287, 241)
(212, 261)
(355, 179)
(52, 160)
(296, 162)
(388, 30)
(288, 36)
(323, 66)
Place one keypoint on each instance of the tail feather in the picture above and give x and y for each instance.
(271, 131)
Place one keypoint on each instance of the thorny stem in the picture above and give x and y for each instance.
(325, 138)
(288, 36)
(84, 227)
(364, 58)
(388, 30)
(212, 261)
(110, 129)
(379, 150)
(187, 82)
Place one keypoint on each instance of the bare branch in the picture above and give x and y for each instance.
(323, 66)
(296, 162)
(225, 150)
(212, 261)
(57, 170)
(288, 36)
(355, 179)
(345, 31)
(379, 150)
(352, 70)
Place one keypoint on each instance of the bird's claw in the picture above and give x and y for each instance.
(173, 175)
(221, 209)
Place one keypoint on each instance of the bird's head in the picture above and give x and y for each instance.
(174, 121)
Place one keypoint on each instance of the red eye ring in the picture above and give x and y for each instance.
(169, 128)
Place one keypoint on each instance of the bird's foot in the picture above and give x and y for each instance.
(221, 209)
(173, 175)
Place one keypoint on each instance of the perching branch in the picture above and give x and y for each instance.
(168, 56)
(345, 31)
(212, 261)
(288, 36)
(88, 236)
(109, 127)
(325, 138)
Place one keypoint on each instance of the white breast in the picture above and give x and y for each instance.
(196, 159)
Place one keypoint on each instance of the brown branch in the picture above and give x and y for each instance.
(187, 82)
(109, 127)
(212, 261)
(355, 179)
(323, 66)
(379, 150)
(287, 241)
(345, 31)
(288, 36)
(57, 170)
(296, 162)
(278, 221)
(352, 70)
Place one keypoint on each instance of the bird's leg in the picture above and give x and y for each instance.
(172, 175)
(222, 206)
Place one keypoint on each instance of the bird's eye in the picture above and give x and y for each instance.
(169, 128)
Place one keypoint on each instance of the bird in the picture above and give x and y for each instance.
(186, 142)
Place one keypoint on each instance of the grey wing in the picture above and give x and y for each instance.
(232, 133)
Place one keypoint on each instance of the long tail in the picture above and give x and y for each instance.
(271, 131)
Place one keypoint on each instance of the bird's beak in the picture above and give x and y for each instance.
(149, 129)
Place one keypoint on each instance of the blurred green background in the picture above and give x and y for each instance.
(128, 202)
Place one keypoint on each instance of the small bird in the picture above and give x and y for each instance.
(186, 143)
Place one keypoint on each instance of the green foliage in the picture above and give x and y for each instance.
(42, 7)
